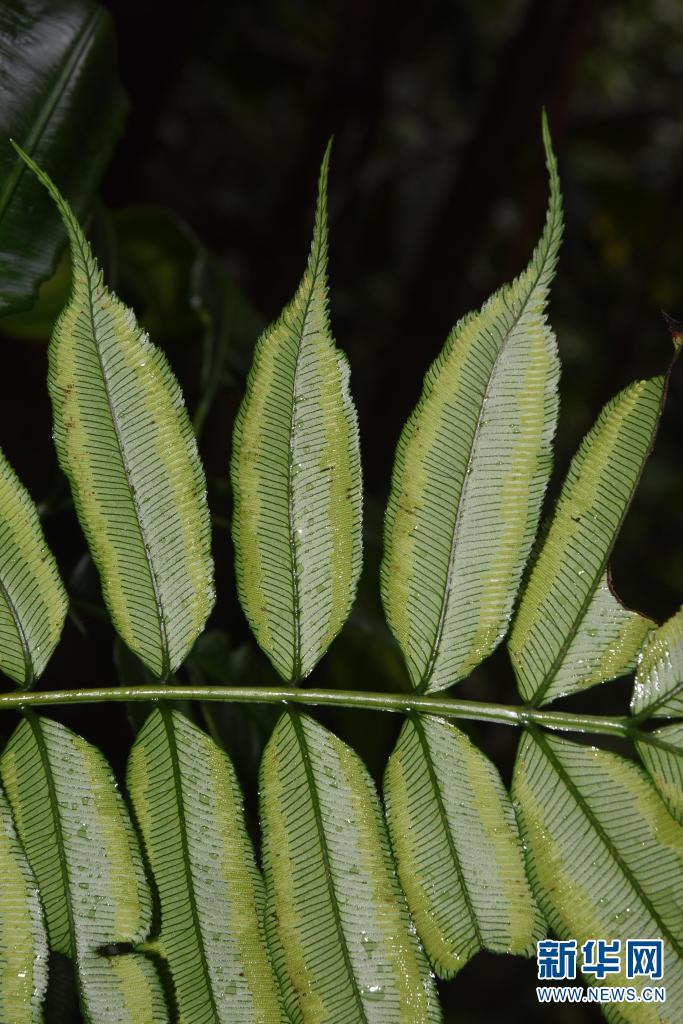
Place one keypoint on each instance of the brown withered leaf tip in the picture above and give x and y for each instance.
(675, 329)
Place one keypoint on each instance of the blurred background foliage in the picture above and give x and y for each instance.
(437, 197)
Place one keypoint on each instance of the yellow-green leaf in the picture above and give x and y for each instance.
(296, 478)
(79, 842)
(188, 806)
(341, 939)
(571, 631)
(23, 942)
(470, 473)
(457, 849)
(125, 442)
(658, 690)
(33, 601)
(661, 752)
(605, 859)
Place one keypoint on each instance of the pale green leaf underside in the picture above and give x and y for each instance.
(470, 473)
(81, 847)
(188, 806)
(33, 601)
(605, 859)
(658, 689)
(125, 442)
(662, 755)
(338, 927)
(296, 478)
(457, 850)
(571, 631)
(23, 941)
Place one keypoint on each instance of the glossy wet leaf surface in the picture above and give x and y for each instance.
(81, 848)
(296, 477)
(124, 440)
(337, 924)
(33, 601)
(658, 689)
(571, 631)
(470, 473)
(188, 805)
(61, 100)
(605, 858)
(457, 849)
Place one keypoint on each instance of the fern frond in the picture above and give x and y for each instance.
(661, 752)
(81, 847)
(658, 689)
(341, 939)
(457, 849)
(605, 858)
(189, 809)
(296, 478)
(23, 940)
(571, 631)
(33, 600)
(470, 473)
(125, 442)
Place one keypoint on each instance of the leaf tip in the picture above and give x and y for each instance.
(327, 152)
(550, 158)
(323, 177)
(545, 127)
(21, 152)
(43, 177)
(318, 256)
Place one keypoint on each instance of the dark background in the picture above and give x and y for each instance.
(437, 196)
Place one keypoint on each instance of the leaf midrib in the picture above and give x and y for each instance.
(37, 732)
(23, 640)
(296, 598)
(167, 720)
(158, 605)
(422, 739)
(648, 711)
(549, 678)
(595, 823)
(423, 685)
(295, 720)
(652, 739)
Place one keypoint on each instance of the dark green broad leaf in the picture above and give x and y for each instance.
(80, 845)
(156, 252)
(188, 806)
(36, 323)
(61, 100)
(342, 942)
(605, 859)
(457, 849)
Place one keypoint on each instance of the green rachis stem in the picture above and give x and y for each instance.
(446, 707)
